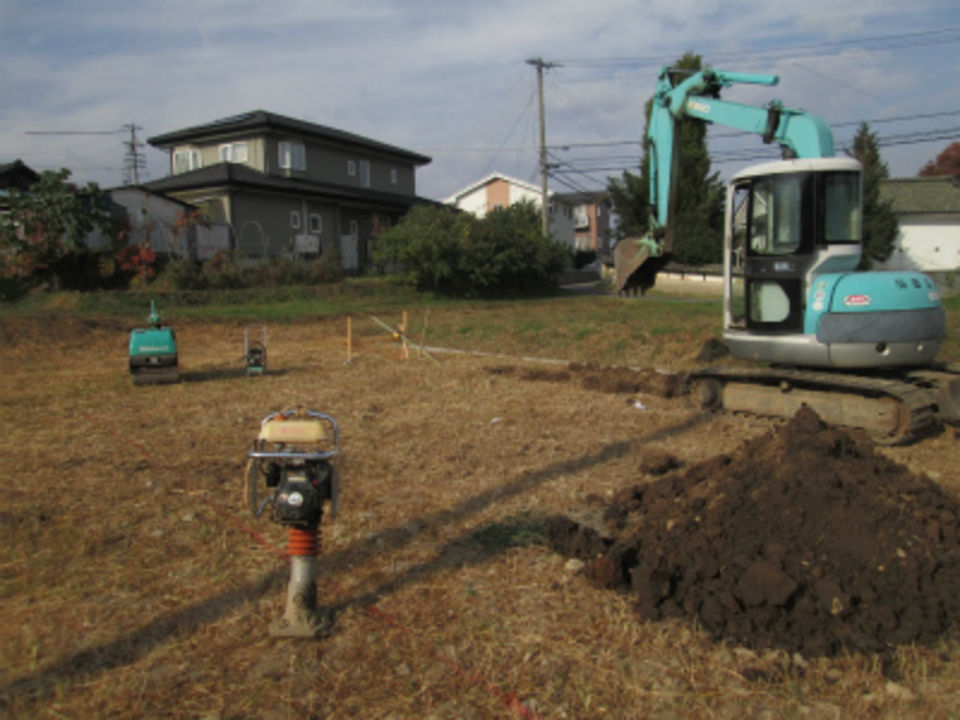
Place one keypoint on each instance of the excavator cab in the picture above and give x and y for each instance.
(786, 221)
(792, 296)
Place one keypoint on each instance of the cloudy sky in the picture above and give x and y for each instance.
(451, 80)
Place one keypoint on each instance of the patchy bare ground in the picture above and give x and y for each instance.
(134, 584)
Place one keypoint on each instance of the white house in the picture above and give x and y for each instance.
(501, 191)
(928, 210)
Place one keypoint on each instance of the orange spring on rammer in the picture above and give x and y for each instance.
(303, 542)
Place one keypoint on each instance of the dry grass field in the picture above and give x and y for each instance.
(135, 584)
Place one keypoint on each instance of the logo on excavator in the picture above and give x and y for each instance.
(857, 300)
(698, 106)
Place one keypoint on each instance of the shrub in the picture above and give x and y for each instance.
(221, 273)
(324, 270)
(454, 253)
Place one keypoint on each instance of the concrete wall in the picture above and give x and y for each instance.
(929, 245)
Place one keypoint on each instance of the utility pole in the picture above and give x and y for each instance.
(540, 65)
(133, 160)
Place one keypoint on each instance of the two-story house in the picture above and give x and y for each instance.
(591, 220)
(501, 191)
(287, 187)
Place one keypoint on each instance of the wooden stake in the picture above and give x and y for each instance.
(349, 340)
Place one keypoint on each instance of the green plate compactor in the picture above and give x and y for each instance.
(153, 352)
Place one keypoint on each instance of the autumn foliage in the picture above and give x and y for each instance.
(946, 163)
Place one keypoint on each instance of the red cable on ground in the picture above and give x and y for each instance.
(509, 699)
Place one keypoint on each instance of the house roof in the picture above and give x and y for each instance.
(142, 190)
(582, 198)
(241, 176)
(17, 174)
(923, 195)
(261, 121)
(491, 178)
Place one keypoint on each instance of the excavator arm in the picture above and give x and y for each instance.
(697, 96)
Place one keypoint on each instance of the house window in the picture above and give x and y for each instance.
(295, 219)
(599, 210)
(393, 176)
(186, 160)
(233, 152)
(316, 223)
(352, 168)
(293, 156)
(365, 173)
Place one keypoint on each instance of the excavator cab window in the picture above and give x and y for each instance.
(842, 221)
(780, 236)
(776, 214)
(736, 293)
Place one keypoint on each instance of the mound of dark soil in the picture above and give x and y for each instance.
(805, 540)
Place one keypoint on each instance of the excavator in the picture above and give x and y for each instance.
(858, 347)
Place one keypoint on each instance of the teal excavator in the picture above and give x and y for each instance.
(859, 347)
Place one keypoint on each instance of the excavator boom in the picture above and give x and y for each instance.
(697, 97)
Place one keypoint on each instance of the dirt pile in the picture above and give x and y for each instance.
(601, 378)
(805, 540)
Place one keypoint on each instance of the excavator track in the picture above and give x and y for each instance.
(893, 411)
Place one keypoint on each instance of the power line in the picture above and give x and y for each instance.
(516, 122)
(559, 163)
(892, 42)
(717, 136)
(72, 132)
(619, 164)
(134, 160)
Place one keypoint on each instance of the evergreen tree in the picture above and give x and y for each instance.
(698, 217)
(880, 226)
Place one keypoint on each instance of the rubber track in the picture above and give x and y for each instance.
(919, 402)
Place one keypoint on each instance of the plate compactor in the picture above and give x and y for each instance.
(255, 350)
(153, 352)
(294, 456)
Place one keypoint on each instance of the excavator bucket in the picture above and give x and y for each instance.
(628, 256)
